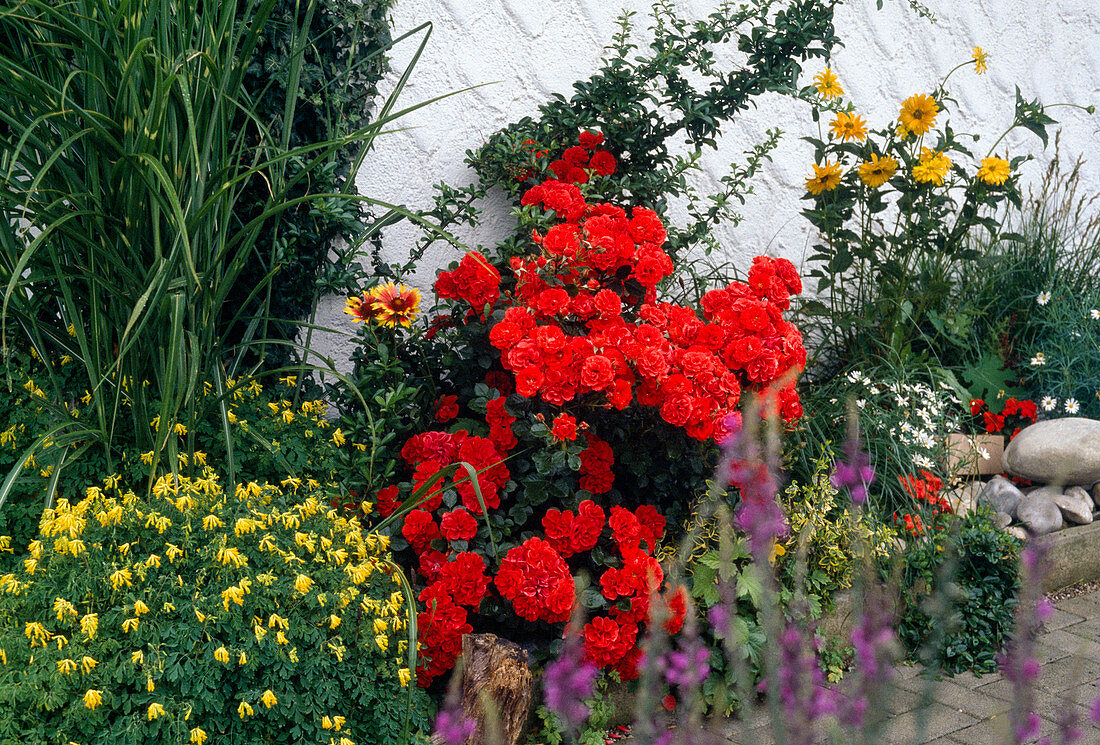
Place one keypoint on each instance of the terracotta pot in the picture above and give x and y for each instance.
(965, 454)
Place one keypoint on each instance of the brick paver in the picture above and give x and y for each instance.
(973, 710)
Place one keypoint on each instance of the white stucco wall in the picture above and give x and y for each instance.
(528, 49)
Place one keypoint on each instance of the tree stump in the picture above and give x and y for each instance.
(496, 689)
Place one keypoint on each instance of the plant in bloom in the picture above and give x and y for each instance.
(918, 114)
(827, 84)
(847, 126)
(877, 171)
(580, 346)
(825, 178)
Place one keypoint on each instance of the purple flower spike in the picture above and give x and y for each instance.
(453, 727)
(856, 473)
(568, 682)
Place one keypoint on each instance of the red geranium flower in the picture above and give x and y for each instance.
(458, 525)
(564, 428)
(537, 581)
(446, 409)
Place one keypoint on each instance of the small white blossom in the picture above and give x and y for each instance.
(1043, 298)
(1072, 407)
(860, 402)
(983, 453)
(923, 461)
(1095, 313)
(925, 439)
(875, 390)
(1039, 359)
(1049, 403)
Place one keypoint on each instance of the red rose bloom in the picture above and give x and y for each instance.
(606, 641)
(458, 525)
(564, 428)
(537, 581)
(446, 409)
(587, 526)
(603, 163)
(597, 372)
(590, 140)
(385, 500)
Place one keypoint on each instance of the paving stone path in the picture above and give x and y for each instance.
(972, 710)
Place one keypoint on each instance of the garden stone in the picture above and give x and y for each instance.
(1096, 494)
(1001, 520)
(1076, 505)
(1064, 451)
(964, 498)
(1039, 512)
(1017, 532)
(1001, 494)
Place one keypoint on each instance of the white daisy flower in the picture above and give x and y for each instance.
(1049, 403)
(875, 390)
(1038, 359)
(1095, 313)
(1043, 298)
(983, 453)
(906, 426)
(860, 403)
(925, 439)
(1072, 407)
(923, 461)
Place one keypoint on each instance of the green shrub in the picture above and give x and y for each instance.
(958, 593)
(248, 616)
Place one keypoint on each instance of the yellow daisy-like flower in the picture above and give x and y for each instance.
(394, 304)
(918, 113)
(359, 308)
(994, 171)
(849, 127)
(932, 168)
(269, 699)
(876, 172)
(980, 58)
(198, 736)
(244, 710)
(825, 178)
(827, 84)
(155, 710)
(93, 697)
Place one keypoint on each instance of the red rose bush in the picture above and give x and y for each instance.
(570, 345)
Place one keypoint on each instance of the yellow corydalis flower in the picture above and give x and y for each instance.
(825, 178)
(130, 624)
(198, 736)
(302, 583)
(847, 127)
(93, 697)
(121, 578)
(137, 657)
(269, 699)
(66, 666)
(64, 609)
(244, 710)
(980, 58)
(994, 171)
(87, 664)
(335, 723)
(404, 675)
(155, 710)
(918, 113)
(232, 556)
(932, 168)
(827, 84)
(221, 654)
(139, 608)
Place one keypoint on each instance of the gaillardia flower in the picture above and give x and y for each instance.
(918, 113)
(359, 308)
(394, 304)
(877, 171)
(825, 178)
(994, 171)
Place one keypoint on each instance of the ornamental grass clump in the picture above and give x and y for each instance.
(243, 615)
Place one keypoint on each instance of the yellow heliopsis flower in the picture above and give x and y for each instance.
(198, 736)
(918, 113)
(93, 697)
(994, 171)
(849, 127)
(269, 699)
(155, 710)
(244, 710)
(876, 172)
(980, 58)
(931, 169)
(825, 178)
(827, 84)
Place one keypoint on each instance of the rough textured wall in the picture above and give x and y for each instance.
(521, 51)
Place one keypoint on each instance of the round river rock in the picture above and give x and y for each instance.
(1064, 451)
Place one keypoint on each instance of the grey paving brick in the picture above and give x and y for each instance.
(925, 725)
